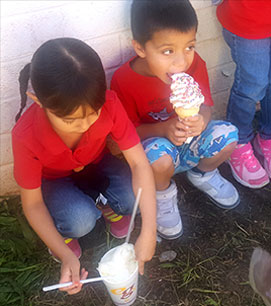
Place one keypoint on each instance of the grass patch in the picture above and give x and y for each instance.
(24, 262)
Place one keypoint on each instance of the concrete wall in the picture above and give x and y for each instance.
(25, 25)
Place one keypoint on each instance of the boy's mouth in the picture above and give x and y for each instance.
(169, 75)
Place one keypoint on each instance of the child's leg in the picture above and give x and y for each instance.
(211, 163)
(119, 193)
(163, 170)
(252, 59)
(265, 114)
(163, 155)
(208, 151)
(74, 213)
(251, 84)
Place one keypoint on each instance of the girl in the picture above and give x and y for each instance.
(247, 31)
(60, 158)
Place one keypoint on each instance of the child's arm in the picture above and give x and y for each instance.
(39, 218)
(142, 176)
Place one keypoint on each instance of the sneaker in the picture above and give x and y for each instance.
(73, 244)
(169, 223)
(118, 224)
(260, 274)
(246, 168)
(220, 191)
(262, 149)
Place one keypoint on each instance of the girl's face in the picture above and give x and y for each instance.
(78, 122)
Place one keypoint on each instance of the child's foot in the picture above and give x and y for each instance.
(220, 191)
(118, 224)
(169, 223)
(246, 168)
(260, 274)
(262, 149)
(73, 244)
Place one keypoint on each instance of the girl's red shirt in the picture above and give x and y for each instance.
(249, 19)
(39, 152)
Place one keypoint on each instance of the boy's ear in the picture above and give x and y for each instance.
(33, 97)
(139, 49)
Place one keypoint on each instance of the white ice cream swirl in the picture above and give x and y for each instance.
(185, 91)
(120, 264)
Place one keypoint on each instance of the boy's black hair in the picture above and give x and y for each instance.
(150, 16)
(65, 73)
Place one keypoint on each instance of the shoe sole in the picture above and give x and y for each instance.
(213, 200)
(170, 237)
(244, 183)
(221, 205)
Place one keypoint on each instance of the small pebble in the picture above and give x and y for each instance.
(167, 256)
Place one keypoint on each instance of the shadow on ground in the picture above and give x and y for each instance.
(211, 267)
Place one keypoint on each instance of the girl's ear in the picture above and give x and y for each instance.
(33, 97)
(139, 49)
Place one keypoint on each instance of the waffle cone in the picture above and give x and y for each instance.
(186, 112)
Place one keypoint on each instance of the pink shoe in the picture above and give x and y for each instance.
(262, 149)
(73, 244)
(119, 225)
(245, 167)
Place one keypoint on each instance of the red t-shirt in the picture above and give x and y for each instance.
(146, 99)
(39, 152)
(249, 19)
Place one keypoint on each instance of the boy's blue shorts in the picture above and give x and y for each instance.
(217, 135)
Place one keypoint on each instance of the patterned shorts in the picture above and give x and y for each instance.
(217, 135)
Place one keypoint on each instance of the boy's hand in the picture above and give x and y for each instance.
(70, 270)
(144, 249)
(193, 126)
(175, 131)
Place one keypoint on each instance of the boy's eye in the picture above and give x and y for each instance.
(167, 52)
(190, 48)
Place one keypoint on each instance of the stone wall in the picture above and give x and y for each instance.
(25, 25)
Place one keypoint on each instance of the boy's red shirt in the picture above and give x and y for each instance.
(39, 152)
(146, 99)
(249, 19)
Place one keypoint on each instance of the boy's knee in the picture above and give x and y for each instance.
(163, 164)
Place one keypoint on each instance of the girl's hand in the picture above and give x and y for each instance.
(144, 249)
(193, 126)
(175, 131)
(70, 270)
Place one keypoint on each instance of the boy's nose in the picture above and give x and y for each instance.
(179, 63)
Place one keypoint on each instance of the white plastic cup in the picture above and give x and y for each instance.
(124, 292)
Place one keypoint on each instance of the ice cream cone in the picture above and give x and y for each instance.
(186, 112)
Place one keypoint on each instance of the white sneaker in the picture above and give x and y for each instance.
(169, 223)
(220, 191)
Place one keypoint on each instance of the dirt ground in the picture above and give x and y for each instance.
(211, 267)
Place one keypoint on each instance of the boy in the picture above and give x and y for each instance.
(164, 36)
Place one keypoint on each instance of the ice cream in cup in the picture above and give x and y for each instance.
(186, 96)
(119, 270)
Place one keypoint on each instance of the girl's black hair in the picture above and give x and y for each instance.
(65, 73)
(150, 16)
